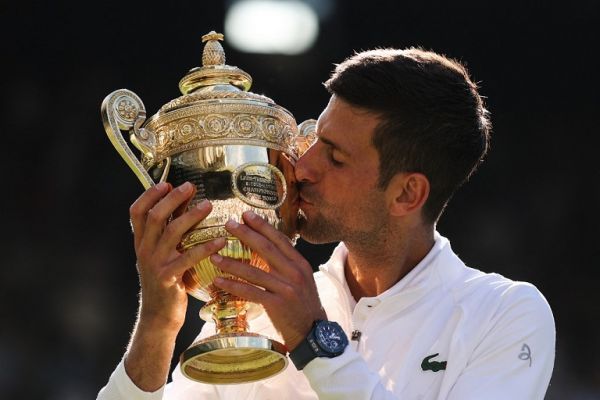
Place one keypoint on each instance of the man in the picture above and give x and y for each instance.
(402, 131)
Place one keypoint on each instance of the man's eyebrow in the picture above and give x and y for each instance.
(332, 144)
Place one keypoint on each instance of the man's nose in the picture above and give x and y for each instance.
(306, 168)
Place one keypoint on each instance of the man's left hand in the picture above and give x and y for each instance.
(290, 295)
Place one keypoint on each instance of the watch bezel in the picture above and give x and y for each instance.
(320, 328)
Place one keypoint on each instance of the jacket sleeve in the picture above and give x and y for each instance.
(121, 387)
(345, 377)
(515, 358)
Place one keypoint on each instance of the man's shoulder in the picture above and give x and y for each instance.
(479, 291)
(475, 281)
(471, 285)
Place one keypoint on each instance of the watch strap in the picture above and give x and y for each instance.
(303, 353)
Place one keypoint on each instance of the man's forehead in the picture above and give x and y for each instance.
(346, 127)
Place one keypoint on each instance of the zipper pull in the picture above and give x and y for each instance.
(356, 334)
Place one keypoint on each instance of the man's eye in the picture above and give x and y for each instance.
(335, 162)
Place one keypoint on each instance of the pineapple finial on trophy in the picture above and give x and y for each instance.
(214, 74)
(213, 53)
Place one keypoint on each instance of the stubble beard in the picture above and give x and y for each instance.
(317, 230)
(321, 229)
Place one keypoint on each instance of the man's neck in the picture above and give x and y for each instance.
(371, 271)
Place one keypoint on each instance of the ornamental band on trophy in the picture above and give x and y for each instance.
(238, 148)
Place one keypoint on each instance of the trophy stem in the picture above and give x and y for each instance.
(228, 312)
(232, 355)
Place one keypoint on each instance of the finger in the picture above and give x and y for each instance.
(243, 270)
(245, 291)
(139, 209)
(179, 226)
(266, 249)
(183, 206)
(273, 246)
(158, 215)
(193, 256)
(283, 243)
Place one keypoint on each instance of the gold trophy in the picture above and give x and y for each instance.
(239, 150)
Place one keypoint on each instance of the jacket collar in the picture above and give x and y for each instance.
(439, 267)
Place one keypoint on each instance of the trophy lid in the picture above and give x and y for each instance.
(216, 108)
(214, 71)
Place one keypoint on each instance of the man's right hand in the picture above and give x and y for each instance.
(161, 267)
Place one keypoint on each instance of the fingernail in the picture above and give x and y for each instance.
(220, 242)
(250, 214)
(216, 258)
(203, 205)
(186, 187)
(232, 224)
(161, 186)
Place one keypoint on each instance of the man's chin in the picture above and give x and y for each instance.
(317, 240)
(314, 234)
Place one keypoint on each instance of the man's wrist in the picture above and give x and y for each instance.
(292, 344)
(325, 339)
(148, 357)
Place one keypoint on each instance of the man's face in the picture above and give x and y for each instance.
(338, 175)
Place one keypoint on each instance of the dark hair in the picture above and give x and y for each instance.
(433, 120)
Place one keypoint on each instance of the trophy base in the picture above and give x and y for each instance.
(233, 358)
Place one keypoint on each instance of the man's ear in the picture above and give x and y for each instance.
(406, 193)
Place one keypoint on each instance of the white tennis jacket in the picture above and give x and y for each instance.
(445, 331)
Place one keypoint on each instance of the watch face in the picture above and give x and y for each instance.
(331, 337)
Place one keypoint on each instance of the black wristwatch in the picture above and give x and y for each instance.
(325, 339)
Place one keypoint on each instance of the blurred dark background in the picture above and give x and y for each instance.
(69, 284)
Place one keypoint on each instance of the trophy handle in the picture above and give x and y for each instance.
(124, 110)
(307, 135)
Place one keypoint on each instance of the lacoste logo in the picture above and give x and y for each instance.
(434, 366)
